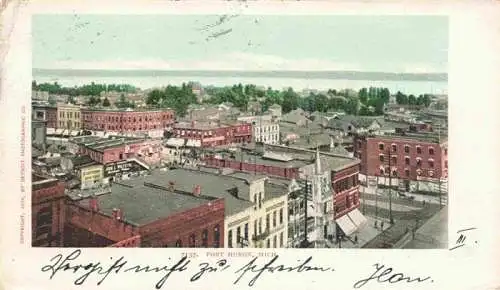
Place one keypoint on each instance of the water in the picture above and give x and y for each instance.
(298, 84)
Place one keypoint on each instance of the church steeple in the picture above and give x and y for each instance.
(318, 161)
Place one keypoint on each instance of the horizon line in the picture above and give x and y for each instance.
(317, 74)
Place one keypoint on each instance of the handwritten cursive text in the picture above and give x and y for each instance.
(385, 274)
(269, 267)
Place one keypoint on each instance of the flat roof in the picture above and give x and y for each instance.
(39, 181)
(142, 204)
(100, 144)
(300, 157)
(424, 137)
(122, 110)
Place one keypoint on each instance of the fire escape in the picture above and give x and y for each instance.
(389, 162)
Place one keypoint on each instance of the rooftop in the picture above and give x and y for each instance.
(101, 109)
(101, 144)
(143, 204)
(291, 157)
(40, 181)
(423, 137)
(152, 197)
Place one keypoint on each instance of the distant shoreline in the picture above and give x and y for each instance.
(334, 75)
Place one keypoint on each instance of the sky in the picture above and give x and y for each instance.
(409, 44)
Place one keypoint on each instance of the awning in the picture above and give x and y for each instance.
(51, 131)
(357, 218)
(59, 131)
(175, 142)
(347, 226)
(193, 143)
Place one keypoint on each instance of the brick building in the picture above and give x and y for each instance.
(212, 134)
(47, 211)
(147, 213)
(406, 158)
(116, 148)
(47, 113)
(117, 121)
(296, 163)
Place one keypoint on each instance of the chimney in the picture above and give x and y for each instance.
(115, 213)
(93, 205)
(171, 185)
(197, 190)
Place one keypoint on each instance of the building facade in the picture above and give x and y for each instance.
(145, 214)
(69, 117)
(213, 134)
(150, 122)
(265, 130)
(45, 113)
(47, 211)
(263, 224)
(407, 159)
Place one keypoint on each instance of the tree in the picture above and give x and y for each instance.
(93, 101)
(290, 101)
(412, 100)
(401, 98)
(351, 107)
(363, 95)
(105, 102)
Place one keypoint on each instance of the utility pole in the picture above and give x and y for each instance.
(376, 199)
(308, 189)
(390, 188)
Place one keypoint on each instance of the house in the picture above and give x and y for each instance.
(295, 117)
(349, 124)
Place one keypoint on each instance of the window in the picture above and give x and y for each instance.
(431, 163)
(178, 244)
(281, 209)
(192, 241)
(260, 226)
(394, 173)
(268, 222)
(407, 149)
(407, 160)
(255, 227)
(281, 240)
(394, 148)
(382, 171)
(230, 239)
(246, 232)
(255, 201)
(419, 162)
(217, 236)
(431, 151)
(381, 146)
(394, 160)
(419, 150)
(325, 207)
(238, 235)
(268, 243)
(381, 157)
(275, 241)
(274, 219)
(407, 172)
(204, 238)
(260, 199)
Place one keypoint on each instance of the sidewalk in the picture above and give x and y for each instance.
(367, 233)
